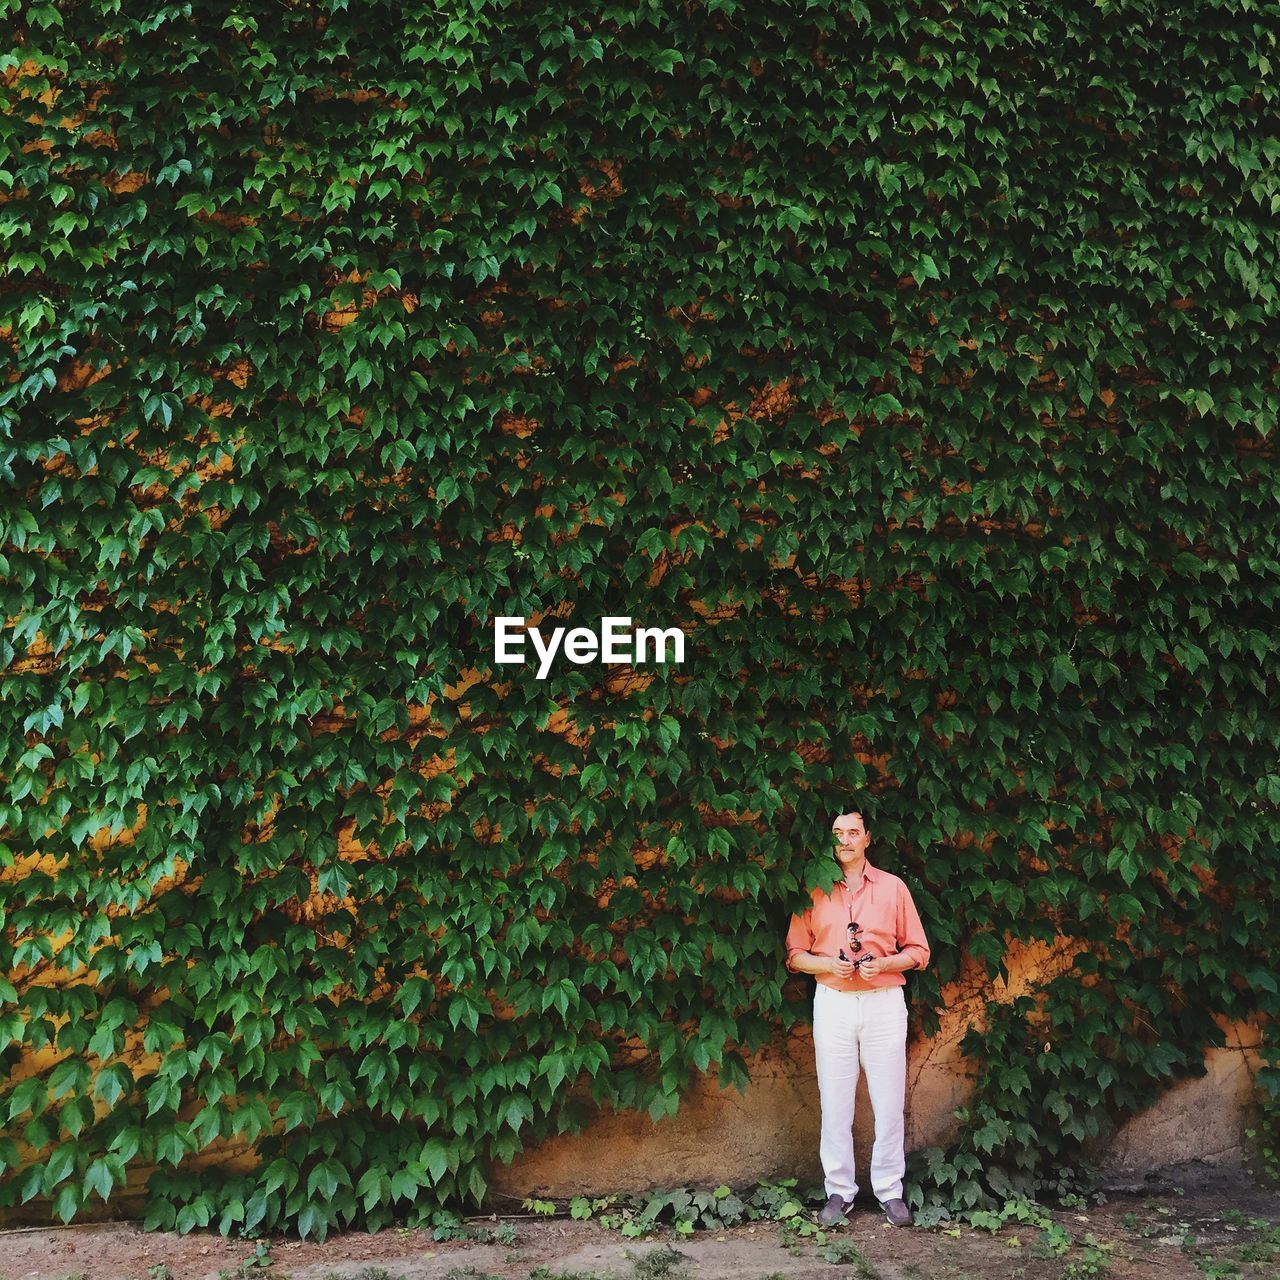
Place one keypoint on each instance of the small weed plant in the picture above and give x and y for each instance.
(1094, 1258)
(661, 1263)
(845, 1253)
(689, 1209)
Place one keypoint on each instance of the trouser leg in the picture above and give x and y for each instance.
(835, 1045)
(883, 1048)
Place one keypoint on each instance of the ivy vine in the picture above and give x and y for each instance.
(918, 362)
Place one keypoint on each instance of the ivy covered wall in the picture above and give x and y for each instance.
(918, 361)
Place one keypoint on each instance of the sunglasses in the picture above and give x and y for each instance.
(855, 945)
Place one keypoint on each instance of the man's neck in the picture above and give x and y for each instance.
(853, 871)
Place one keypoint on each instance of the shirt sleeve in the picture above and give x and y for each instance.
(911, 939)
(799, 937)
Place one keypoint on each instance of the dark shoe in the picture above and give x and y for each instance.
(834, 1210)
(897, 1212)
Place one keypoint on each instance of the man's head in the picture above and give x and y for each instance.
(849, 831)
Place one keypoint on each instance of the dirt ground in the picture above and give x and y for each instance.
(1193, 1235)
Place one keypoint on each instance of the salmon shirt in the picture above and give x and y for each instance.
(880, 905)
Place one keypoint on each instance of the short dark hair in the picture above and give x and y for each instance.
(853, 804)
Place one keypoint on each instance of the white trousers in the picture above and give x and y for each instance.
(870, 1031)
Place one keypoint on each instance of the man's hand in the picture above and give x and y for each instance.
(896, 963)
(841, 968)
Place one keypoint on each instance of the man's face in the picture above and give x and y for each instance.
(851, 838)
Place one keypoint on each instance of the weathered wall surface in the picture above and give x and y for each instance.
(771, 1132)
(720, 1135)
(1197, 1120)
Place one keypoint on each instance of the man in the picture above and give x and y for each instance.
(858, 941)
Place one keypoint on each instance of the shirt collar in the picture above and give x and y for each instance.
(868, 873)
